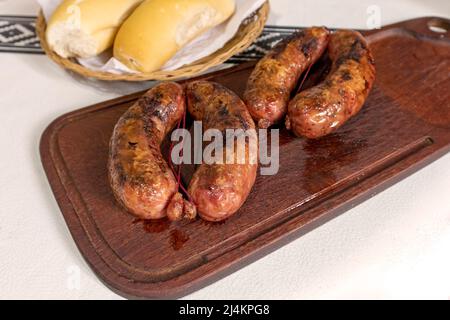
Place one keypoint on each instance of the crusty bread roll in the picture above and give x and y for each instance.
(85, 28)
(157, 29)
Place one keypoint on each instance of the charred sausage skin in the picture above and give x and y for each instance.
(140, 177)
(220, 189)
(322, 109)
(276, 75)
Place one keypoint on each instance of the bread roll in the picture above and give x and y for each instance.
(86, 28)
(157, 29)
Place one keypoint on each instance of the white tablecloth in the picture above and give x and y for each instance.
(396, 245)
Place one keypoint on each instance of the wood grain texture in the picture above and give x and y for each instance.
(404, 125)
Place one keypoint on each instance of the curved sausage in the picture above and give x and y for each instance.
(322, 109)
(276, 75)
(219, 190)
(140, 177)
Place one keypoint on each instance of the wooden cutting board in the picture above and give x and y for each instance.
(404, 125)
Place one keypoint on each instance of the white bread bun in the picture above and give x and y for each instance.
(157, 29)
(86, 28)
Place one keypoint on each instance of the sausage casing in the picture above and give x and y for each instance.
(140, 177)
(276, 75)
(219, 189)
(322, 109)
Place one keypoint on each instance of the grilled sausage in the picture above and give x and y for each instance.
(322, 109)
(220, 189)
(140, 177)
(276, 75)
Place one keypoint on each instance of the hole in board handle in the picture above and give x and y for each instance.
(439, 25)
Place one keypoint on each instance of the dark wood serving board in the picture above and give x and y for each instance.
(404, 125)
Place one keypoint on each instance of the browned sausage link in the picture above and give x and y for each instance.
(219, 190)
(140, 178)
(276, 75)
(320, 110)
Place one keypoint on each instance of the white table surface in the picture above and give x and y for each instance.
(396, 245)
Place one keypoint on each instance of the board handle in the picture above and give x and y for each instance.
(434, 27)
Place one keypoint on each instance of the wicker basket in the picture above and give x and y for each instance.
(250, 29)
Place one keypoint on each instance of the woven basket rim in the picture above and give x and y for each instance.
(248, 32)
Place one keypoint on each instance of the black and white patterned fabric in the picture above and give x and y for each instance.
(17, 34)
(268, 38)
